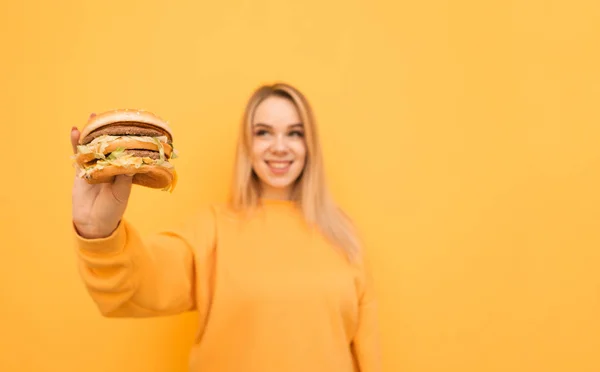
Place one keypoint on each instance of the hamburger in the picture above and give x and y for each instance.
(127, 141)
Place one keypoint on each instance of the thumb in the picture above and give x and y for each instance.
(74, 139)
(122, 187)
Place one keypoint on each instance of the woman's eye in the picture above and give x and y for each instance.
(260, 132)
(297, 133)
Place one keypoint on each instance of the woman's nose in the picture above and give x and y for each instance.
(279, 144)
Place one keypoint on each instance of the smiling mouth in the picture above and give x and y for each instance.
(279, 166)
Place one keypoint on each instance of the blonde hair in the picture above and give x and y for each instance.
(310, 189)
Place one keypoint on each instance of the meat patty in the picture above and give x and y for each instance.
(144, 153)
(126, 129)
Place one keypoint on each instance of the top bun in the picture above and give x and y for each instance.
(124, 115)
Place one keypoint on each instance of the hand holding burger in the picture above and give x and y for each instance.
(113, 151)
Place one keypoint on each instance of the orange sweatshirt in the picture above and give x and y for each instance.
(270, 293)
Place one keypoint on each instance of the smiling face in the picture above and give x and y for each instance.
(278, 146)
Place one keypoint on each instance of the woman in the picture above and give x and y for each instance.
(276, 275)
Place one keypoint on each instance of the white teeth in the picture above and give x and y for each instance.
(278, 165)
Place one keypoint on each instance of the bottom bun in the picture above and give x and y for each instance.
(153, 176)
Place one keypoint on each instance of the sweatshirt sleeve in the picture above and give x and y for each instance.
(366, 343)
(128, 275)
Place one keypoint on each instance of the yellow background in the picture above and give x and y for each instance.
(462, 136)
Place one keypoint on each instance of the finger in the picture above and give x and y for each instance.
(75, 138)
(122, 188)
(74, 142)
